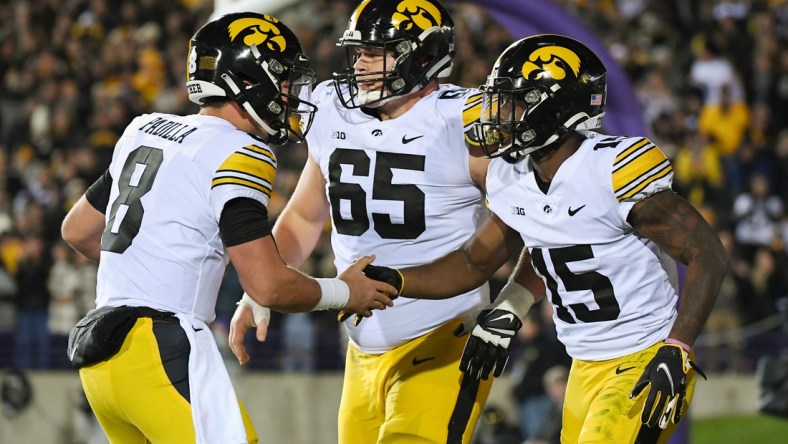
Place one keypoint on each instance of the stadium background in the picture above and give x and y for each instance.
(74, 72)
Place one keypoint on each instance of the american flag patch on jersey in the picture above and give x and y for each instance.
(596, 99)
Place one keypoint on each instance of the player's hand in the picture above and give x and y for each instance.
(666, 373)
(366, 294)
(487, 348)
(244, 319)
(388, 275)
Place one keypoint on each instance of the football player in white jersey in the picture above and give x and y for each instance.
(604, 230)
(182, 196)
(388, 163)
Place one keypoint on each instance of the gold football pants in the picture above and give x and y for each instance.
(414, 393)
(141, 395)
(597, 408)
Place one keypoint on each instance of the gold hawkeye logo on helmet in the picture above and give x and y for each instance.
(258, 31)
(552, 62)
(420, 13)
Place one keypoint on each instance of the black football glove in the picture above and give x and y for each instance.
(391, 276)
(487, 348)
(666, 373)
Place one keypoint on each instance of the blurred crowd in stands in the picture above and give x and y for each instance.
(712, 77)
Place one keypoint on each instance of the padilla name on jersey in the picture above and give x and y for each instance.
(171, 176)
(400, 189)
(613, 291)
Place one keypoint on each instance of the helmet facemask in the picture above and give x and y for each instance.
(542, 89)
(501, 127)
(504, 127)
(295, 95)
(371, 88)
(418, 34)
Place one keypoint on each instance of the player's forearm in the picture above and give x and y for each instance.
(298, 229)
(295, 237)
(90, 249)
(466, 268)
(269, 281)
(525, 275)
(453, 274)
(82, 228)
(701, 285)
(677, 228)
(287, 290)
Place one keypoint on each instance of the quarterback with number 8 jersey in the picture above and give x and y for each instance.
(183, 196)
(604, 231)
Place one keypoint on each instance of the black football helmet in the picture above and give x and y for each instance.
(420, 35)
(541, 89)
(257, 62)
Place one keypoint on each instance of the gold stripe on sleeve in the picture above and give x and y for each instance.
(246, 164)
(636, 167)
(262, 150)
(242, 182)
(664, 171)
(635, 146)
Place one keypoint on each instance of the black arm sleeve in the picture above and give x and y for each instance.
(243, 220)
(98, 193)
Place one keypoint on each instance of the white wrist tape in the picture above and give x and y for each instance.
(515, 298)
(259, 312)
(334, 293)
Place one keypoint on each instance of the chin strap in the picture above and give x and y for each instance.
(275, 136)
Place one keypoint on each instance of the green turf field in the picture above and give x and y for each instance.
(760, 429)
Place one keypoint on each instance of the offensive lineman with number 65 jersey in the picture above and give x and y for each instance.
(389, 164)
(182, 196)
(604, 231)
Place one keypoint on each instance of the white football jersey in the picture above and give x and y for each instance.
(400, 189)
(613, 291)
(171, 177)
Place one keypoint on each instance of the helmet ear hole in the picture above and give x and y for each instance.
(245, 80)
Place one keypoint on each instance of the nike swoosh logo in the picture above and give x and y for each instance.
(573, 212)
(505, 316)
(664, 368)
(620, 370)
(417, 361)
(405, 139)
(196, 329)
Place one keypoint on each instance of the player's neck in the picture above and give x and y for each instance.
(400, 106)
(233, 114)
(547, 163)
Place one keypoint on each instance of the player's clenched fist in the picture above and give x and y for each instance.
(666, 374)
